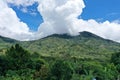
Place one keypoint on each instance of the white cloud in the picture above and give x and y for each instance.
(21, 2)
(10, 24)
(59, 17)
(23, 5)
(107, 30)
(24, 10)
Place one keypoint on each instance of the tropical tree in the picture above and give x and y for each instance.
(17, 57)
(61, 70)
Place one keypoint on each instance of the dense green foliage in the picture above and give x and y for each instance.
(116, 60)
(61, 70)
(18, 64)
(60, 57)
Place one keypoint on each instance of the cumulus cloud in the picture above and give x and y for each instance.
(107, 30)
(20, 2)
(60, 16)
(10, 24)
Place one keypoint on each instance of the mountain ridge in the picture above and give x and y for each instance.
(84, 34)
(84, 45)
(65, 35)
(6, 39)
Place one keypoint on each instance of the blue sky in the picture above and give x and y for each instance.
(100, 10)
(32, 20)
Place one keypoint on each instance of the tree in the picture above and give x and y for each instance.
(115, 59)
(18, 57)
(43, 73)
(61, 70)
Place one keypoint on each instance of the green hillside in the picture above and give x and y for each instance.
(6, 43)
(85, 45)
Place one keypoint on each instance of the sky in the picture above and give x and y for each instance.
(34, 19)
(29, 15)
(101, 10)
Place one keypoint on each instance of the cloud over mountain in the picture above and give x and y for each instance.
(59, 17)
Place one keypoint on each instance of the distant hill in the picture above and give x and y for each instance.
(6, 42)
(85, 45)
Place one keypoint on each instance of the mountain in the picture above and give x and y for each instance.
(6, 42)
(85, 45)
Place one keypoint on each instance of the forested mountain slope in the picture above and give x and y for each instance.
(85, 45)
